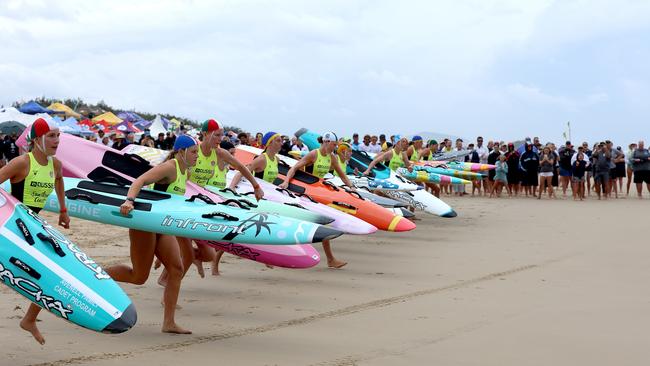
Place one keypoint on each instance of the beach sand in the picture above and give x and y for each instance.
(507, 282)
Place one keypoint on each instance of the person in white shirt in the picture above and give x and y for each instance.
(365, 145)
(297, 145)
(375, 147)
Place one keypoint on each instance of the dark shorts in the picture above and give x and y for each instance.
(620, 170)
(642, 176)
(601, 177)
(529, 179)
(577, 179)
(612, 173)
(564, 172)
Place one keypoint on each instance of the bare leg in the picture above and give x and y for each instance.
(215, 263)
(187, 257)
(331, 261)
(143, 246)
(639, 190)
(28, 323)
(630, 174)
(167, 249)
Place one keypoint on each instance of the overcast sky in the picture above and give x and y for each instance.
(501, 69)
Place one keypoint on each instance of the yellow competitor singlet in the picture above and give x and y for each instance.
(219, 178)
(396, 161)
(38, 183)
(205, 168)
(270, 171)
(322, 165)
(177, 186)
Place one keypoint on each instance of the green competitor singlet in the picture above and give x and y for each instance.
(219, 178)
(37, 185)
(344, 166)
(177, 186)
(415, 156)
(270, 171)
(205, 168)
(396, 161)
(322, 165)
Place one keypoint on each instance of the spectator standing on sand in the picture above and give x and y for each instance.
(547, 162)
(565, 153)
(578, 169)
(355, 141)
(529, 162)
(375, 147)
(629, 161)
(488, 177)
(160, 142)
(641, 166)
(365, 145)
(500, 176)
(620, 168)
(601, 159)
(483, 153)
(297, 145)
(514, 174)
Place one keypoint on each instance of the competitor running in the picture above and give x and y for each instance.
(33, 177)
(171, 176)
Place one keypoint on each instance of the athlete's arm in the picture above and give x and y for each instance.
(228, 158)
(378, 159)
(59, 188)
(344, 177)
(14, 168)
(306, 160)
(160, 173)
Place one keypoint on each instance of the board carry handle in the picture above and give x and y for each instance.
(220, 214)
(353, 193)
(111, 179)
(83, 197)
(237, 203)
(138, 158)
(288, 192)
(330, 184)
(55, 245)
(202, 197)
(306, 196)
(25, 267)
(298, 205)
(229, 190)
(25, 231)
(247, 202)
(346, 205)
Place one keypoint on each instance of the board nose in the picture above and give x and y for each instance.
(123, 323)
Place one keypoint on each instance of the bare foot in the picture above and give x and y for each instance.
(199, 267)
(336, 263)
(215, 271)
(175, 329)
(157, 264)
(33, 329)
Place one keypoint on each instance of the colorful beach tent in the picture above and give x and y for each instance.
(67, 111)
(12, 114)
(174, 124)
(108, 117)
(130, 117)
(34, 108)
(126, 127)
(158, 126)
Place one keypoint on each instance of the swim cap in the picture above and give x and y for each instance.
(210, 125)
(432, 142)
(268, 137)
(39, 128)
(330, 136)
(184, 142)
(343, 146)
(416, 138)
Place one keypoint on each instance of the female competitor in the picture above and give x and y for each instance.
(37, 166)
(396, 157)
(320, 162)
(415, 153)
(170, 177)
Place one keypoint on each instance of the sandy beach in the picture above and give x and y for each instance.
(508, 282)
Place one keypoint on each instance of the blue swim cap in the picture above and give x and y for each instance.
(184, 142)
(268, 137)
(416, 138)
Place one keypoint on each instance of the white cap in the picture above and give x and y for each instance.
(330, 136)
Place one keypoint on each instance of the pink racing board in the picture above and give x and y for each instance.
(83, 159)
